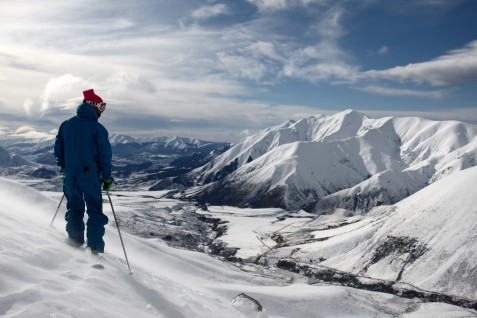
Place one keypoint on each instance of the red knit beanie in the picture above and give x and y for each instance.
(91, 96)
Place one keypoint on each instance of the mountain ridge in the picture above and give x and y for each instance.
(272, 169)
(137, 162)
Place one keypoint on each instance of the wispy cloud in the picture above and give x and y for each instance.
(389, 91)
(324, 60)
(210, 11)
(271, 5)
(456, 67)
(275, 5)
(383, 50)
(58, 89)
(461, 114)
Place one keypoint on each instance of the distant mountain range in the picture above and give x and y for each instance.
(137, 162)
(346, 160)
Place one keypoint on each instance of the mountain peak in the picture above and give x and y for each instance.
(364, 161)
(121, 139)
(350, 111)
(350, 114)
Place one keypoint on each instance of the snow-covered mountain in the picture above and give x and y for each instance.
(137, 162)
(161, 145)
(8, 160)
(346, 160)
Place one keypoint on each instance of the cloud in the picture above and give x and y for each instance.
(241, 66)
(388, 91)
(209, 118)
(58, 88)
(165, 65)
(330, 25)
(284, 58)
(275, 5)
(323, 62)
(336, 71)
(29, 132)
(262, 49)
(24, 129)
(383, 50)
(156, 69)
(468, 115)
(270, 5)
(210, 11)
(122, 80)
(27, 105)
(455, 67)
(19, 62)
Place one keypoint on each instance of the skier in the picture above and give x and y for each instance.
(83, 152)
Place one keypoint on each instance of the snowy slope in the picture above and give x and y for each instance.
(43, 277)
(442, 219)
(297, 164)
(427, 240)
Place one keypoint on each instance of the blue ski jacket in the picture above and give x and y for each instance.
(82, 146)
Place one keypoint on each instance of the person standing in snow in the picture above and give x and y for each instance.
(83, 152)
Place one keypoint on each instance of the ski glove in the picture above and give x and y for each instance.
(62, 174)
(107, 183)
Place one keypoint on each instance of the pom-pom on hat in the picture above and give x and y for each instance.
(89, 95)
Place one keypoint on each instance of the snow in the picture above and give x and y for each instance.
(444, 217)
(320, 156)
(7, 160)
(41, 276)
(426, 240)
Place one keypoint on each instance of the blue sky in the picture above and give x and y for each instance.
(220, 70)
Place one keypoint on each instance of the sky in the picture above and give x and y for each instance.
(222, 70)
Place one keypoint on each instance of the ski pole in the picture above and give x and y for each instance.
(51, 224)
(119, 231)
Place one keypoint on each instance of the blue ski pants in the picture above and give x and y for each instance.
(78, 191)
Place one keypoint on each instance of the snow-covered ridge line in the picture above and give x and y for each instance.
(346, 160)
(173, 142)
